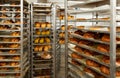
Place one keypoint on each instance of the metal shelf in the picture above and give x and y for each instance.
(23, 38)
(90, 48)
(97, 31)
(89, 39)
(37, 9)
(93, 58)
(92, 68)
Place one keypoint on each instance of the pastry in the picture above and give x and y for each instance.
(2, 57)
(37, 32)
(3, 64)
(6, 39)
(17, 69)
(18, 10)
(74, 40)
(61, 17)
(106, 38)
(89, 71)
(1, 46)
(37, 24)
(69, 27)
(62, 41)
(15, 40)
(12, 51)
(7, 22)
(107, 60)
(83, 42)
(14, 45)
(40, 48)
(78, 49)
(15, 34)
(103, 48)
(79, 32)
(62, 34)
(62, 27)
(14, 63)
(36, 49)
(47, 32)
(74, 62)
(49, 25)
(76, 56)
(43, 32)
(47, 40)
(16, 58)
(105, 70)
(43, 25)
(92, 63)
(46, 48)
(18, 22)
(88, 53)
(46, 55)
(89, 35)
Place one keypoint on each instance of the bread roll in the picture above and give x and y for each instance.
(37, 24)
(92, 63)
(103, 48)
(78, 49)
(89, 35)
(75, 55)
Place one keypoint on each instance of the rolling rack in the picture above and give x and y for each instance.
(14, 39)
(95, 56)
(58, 45)
(43, 30)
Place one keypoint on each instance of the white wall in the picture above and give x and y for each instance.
(32, 1)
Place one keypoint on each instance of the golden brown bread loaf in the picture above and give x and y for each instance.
(92, 63)
(78, 49)
(103, 48)
(89, 35)
(75, 55)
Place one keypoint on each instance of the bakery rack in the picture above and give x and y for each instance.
(14, 39)
(43, 50)
(85, 54)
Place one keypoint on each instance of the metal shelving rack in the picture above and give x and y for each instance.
(112, 11)
(43, 14)
(14, 39)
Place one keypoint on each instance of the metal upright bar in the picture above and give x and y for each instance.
(31, 40)
(113, 39)
(54, 42)
(66, 41)
(21, 19)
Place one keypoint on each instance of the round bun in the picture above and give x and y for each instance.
(37, 24)
(62, 27)
(103, 48)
